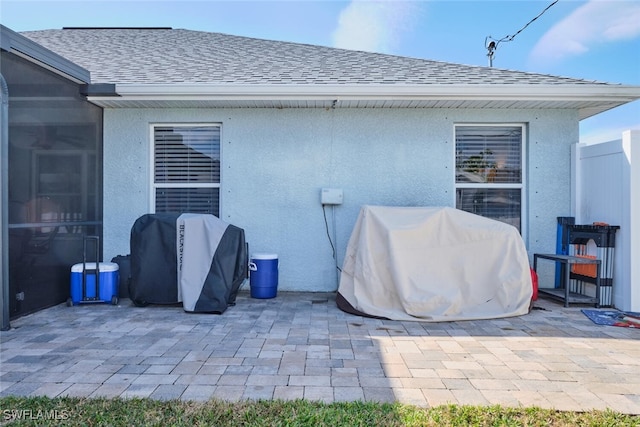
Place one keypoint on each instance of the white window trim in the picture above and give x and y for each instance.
(152, 183)
(524, 209)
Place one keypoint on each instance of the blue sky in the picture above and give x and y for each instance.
(593, 40)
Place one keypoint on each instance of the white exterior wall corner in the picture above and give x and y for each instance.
(275, 161)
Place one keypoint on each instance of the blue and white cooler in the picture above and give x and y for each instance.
(106, 288)
(263, 276)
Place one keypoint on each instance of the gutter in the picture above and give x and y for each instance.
(573, 92)
(26, 48)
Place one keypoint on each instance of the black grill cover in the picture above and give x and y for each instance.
(154, 271)
(196, 259)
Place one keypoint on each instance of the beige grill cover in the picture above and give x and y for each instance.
(434, 264)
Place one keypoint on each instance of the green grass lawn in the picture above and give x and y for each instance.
(145, 412)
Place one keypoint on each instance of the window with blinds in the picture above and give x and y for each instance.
(186, 168)
(489, 171)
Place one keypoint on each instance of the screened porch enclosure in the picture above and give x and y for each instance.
(54, 185)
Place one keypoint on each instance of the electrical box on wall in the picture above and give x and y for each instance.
(331, 196)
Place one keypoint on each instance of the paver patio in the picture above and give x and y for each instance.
(300, 345)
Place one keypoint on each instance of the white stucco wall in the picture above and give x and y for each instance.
(274, 163)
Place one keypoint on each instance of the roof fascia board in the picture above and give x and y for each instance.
(31, 51)
(575, 92)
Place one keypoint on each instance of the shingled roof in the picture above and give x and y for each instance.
(160, 56)
(196, 68)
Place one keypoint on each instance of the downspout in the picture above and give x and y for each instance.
(4, 202)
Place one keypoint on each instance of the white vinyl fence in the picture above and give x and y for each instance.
(607, 189)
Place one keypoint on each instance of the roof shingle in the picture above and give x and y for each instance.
(165, 56)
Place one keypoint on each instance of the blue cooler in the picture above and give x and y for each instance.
(108, 283)
(263, 277)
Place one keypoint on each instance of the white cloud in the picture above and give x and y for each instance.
(374, 26)
(595, 23)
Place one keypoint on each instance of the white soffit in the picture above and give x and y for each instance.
(588, 99)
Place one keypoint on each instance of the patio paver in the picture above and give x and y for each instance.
(300, 345)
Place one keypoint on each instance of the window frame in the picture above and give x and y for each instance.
(152, 163)
(522, 185)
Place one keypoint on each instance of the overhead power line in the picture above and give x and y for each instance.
(492, 44)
